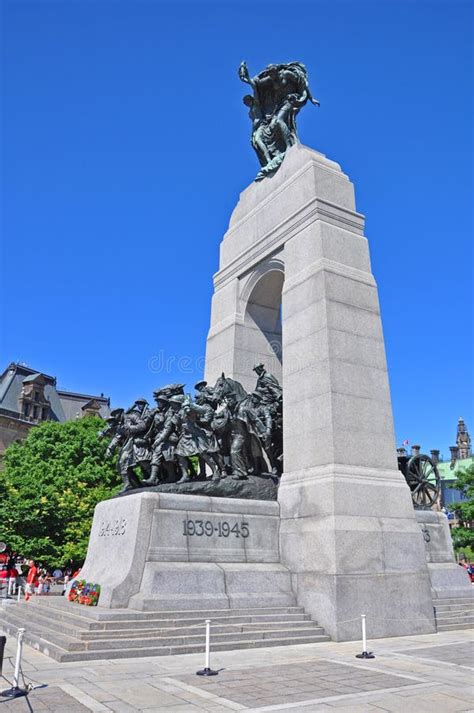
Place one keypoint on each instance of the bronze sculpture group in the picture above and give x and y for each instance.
(279, 92)
(222, 432)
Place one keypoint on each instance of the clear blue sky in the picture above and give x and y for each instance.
(126, 144)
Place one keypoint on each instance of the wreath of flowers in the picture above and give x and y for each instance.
(83, 592)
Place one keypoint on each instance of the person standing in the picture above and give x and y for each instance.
(31, 580)
(12, 575)
(66, 580)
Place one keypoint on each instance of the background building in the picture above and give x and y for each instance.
(28, 397)
(461, 458)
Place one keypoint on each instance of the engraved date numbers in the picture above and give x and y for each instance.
(111, 528)
(222, 528)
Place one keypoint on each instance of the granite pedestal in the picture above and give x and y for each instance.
(156, 552)
(448, 579)
(295, 290)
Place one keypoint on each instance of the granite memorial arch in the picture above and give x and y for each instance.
(261, 297)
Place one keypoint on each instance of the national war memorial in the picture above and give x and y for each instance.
(264, 494)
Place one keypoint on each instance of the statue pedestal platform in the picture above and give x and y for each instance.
(448, 579)
(163, 552)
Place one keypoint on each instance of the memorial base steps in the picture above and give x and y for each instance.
(59, 630)
(454, 613)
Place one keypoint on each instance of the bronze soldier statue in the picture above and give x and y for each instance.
(161, 467)
(279, 92)
(196, 440)
(134, 451)
(266, 429)
(267, 385)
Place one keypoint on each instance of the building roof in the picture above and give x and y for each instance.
(64, 405)
(72, 404)
(26, 370)
(445, 471)
(33, 377)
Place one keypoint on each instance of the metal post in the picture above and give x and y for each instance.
(365, 654)
(3, 641)
(19, 649)
(207, 671)
(15, 691)
(208, 644)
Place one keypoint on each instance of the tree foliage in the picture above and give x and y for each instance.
(463, 536)
(49, 487)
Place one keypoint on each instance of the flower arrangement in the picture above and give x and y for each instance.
(83, 592)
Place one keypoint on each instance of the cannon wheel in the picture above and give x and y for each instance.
(424, 481)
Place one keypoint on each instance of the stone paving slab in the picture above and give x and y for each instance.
(407, 676)
(461, 655)
(51, 699)
(319, 679)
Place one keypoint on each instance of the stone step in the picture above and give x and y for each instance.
(187, 649)
(79, 625)
(441, 626)
(218, 628)
(46, 641)
(54, 645)
(105, 639)
(189, 638)
(60, 607)
(464, 619)
(454, 607)
(190, 621)
(454, 613)
(457, 614)
(62, 632)
(30, 615)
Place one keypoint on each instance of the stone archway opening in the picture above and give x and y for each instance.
(263, 315)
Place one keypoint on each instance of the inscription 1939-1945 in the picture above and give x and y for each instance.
(221, 529)
(111, 528)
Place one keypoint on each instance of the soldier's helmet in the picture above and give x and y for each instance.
(258, 366)
(172, 389)
(200, 385)
(138, 405)
(115, 414)
(177, 399)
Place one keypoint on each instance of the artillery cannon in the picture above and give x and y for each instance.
(422, 477)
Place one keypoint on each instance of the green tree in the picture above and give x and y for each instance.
(49, 486)
(463, 535)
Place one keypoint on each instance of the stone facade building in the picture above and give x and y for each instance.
(28, 397)
(462, 449)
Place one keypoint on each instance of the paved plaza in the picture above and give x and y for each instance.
(433, 672)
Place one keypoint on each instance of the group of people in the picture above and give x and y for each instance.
(18, 572)
(224, 428)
